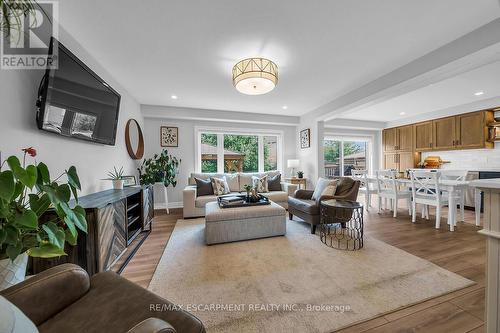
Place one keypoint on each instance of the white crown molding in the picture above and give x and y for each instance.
(475, 49)
(170, 112)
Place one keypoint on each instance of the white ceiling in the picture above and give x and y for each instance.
(455, 91)
(324, 49)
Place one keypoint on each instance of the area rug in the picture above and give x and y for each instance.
(292, 283)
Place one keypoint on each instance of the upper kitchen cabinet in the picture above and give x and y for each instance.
(464, 131)
(423, 136)
(471, 130)
(443, 131)
(398, 139)
(390, 138)
(405, 136)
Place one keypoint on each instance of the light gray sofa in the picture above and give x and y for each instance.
(195, 206)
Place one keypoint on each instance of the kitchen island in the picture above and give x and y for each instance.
(491, 192)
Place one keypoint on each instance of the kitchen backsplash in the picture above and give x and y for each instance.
(473, 159)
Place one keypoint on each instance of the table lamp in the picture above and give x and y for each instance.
(293, 164)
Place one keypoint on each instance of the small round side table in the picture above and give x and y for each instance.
(341, 224)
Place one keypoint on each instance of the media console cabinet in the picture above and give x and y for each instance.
(118, 223)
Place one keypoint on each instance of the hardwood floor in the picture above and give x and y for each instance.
(462, 252)
(143, 265)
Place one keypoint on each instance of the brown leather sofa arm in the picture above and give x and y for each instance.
(152, 325)
(46, 294)
(303, 194)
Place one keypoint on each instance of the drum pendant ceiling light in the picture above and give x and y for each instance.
(255, 76)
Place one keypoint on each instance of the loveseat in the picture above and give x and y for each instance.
(194, 206)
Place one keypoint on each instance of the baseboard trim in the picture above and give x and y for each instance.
(161, 205)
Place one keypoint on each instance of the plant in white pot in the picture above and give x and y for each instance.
(116, 176)
(26, 193)
(161, 169)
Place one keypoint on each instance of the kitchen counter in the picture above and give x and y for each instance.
(486, 183)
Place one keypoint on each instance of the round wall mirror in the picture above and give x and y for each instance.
(134, 139)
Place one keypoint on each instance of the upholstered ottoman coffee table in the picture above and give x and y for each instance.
(224, 225)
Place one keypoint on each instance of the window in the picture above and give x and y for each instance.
(238, 151)
(270, 153)
(341, 155)
(241, 153)
(209, 152)
(332, 157)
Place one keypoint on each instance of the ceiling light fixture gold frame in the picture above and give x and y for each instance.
(255, 68)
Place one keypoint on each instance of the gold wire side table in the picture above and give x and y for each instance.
(341, 224)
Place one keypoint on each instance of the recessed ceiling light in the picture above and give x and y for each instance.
(479, 93)
(173, 97)
(402, 113)
(284, 107)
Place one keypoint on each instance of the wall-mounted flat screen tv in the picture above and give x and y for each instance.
(75, 102)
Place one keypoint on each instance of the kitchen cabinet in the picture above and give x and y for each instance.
(463, 131)
(443, 131)
(401, 161)
(470, 131)
(406, 160)
(390, 138)
(423, 136)
(398, 139)
(391, 161)
(405, 138)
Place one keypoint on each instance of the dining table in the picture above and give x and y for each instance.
(453, 187)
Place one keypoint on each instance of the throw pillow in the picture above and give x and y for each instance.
(203, 187)
(220, 186)
(330, 189)
(233, 180)
(274, 183)
(14, 320)
(260, 184)
(321, 185)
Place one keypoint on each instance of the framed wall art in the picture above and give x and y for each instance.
(169, 136)
(305, 138)
(129, 181)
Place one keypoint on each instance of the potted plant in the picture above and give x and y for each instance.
(162, 168)
(248, 188)
(116, 176)
(300, 174)
(26, 193)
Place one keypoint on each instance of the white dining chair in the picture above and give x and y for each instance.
(426, 191)
(365, 188)
(459, 175)
(388, 188)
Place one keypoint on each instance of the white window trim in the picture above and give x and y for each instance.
(238, 131)
(353, 137)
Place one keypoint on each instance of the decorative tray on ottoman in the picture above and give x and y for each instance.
(241, 200)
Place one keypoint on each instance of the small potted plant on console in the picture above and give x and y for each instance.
(116, 176)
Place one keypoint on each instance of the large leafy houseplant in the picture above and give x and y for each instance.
(26, 193)
(161, 168)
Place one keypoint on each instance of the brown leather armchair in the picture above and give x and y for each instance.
(303, 206)
(65, 299)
